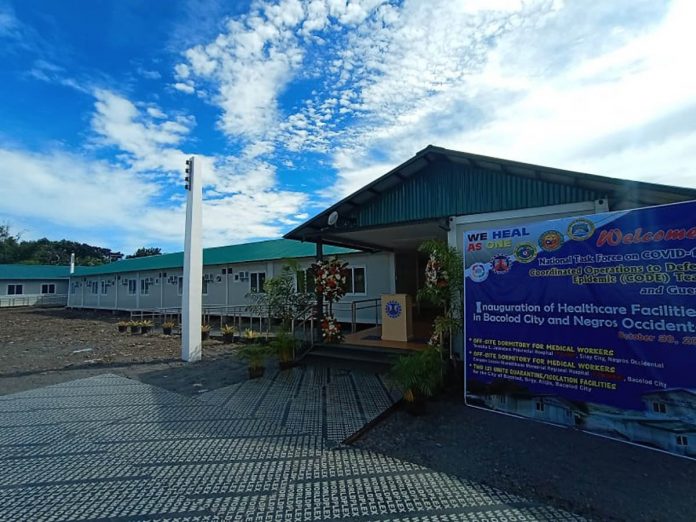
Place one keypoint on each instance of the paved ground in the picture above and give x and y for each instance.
(108, 447)
(600, 478)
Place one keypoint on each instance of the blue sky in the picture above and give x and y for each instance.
(294, 104)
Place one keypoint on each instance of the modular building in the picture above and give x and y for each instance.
(230, 275)
(29, 285)
(441, 193)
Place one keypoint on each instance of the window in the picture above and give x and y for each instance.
(104, 287)
(659, 407)
(15, 289)
(94, 287)
(180, 288)
(132, 286)
(256, 282)
(48, 288)
(304, 281)
(540, 406)
(355, 280)
(145, 286)
(682, 440)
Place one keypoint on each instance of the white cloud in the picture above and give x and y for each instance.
(188, 88)
(547, 81)
(135, 197)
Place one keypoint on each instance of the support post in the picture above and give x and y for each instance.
(191, 306)
(320, 297)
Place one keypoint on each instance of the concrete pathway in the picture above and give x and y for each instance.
(110, 448)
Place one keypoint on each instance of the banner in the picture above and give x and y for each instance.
(588, 322)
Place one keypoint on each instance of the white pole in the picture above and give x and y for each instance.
(72, 263)
(191, 306)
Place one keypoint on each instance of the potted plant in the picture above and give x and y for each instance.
(134, 327)
(228, 332)
(146, 326)
(255, 355)
(249, 336)
(167, 327)
(418, 376)
(122, 326)
(205, 332)
(284, 346)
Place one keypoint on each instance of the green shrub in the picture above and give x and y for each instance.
(419, 374)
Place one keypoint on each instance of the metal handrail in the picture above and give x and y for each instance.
(33, 300)
(376, 304)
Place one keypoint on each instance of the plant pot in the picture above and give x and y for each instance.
(255, 373)
(416, 407)
(135, 330)
(122, 328)
(205, 336)
(146, 329)
(228, 338)
(286, 365)
(167, 331)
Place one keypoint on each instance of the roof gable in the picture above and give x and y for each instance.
(438, 183)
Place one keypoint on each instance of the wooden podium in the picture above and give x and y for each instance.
(397, 324)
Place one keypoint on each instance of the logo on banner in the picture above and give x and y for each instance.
(393, 309)
(551, 240)
(581, 229)
(525, 252)
(501, 264)
(478, 272)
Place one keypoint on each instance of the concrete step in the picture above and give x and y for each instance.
(350, 356)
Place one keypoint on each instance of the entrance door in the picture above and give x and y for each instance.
(406, 272)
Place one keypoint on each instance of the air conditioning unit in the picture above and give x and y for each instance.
(218, 279)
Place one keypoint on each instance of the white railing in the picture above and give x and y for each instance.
(8, 301)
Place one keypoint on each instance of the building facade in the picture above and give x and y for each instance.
(29, 285)
(230, 275)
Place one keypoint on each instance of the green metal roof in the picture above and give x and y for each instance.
(248, 252)
(438, 183)
(34, 272)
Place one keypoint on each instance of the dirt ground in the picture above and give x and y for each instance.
(43, 346)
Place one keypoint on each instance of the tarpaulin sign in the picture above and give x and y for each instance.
(588, 322)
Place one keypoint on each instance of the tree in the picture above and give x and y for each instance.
(145, 252)
(46, 252)
(8, 245)
(280, 298)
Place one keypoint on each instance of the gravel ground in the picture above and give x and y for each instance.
(39, 347)
(593, 476)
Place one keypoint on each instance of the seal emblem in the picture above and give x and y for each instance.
(478, 272)
(501, 264)
(581, 229)
(392, 309)
(525, 252)
(551, 240)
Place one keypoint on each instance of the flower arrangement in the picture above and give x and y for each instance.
(435, 274)
(330, 279)
(331, 329)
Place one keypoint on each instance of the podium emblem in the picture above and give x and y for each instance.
(392, 309)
